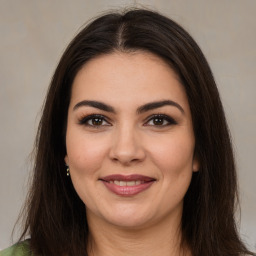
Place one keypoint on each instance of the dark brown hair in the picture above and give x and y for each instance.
(55, 217)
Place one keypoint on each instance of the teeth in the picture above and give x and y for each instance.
(138, 182)
(122, 183)
(131, 183)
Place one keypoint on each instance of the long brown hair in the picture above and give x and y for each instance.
(55, 217)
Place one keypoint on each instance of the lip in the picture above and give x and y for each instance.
(127, 191)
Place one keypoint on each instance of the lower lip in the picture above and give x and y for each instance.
(127, 190)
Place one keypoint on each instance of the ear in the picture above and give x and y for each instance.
(196, 163)
(66, 160)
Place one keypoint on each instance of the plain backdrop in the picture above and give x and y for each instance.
(34, 34)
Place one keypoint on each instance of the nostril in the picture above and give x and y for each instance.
(126, 150)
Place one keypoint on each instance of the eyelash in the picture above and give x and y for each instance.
(167, 120)
(86, 119)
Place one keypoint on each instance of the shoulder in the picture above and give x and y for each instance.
(19, 249)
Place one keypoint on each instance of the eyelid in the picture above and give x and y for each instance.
(83, 120)
(171, 120)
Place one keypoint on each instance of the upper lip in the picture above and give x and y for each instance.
(131, 177)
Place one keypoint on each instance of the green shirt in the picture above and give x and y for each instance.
(20, 249)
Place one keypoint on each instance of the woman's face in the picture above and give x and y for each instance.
(130, 142)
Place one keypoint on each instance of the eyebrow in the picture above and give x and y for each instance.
(158, 104)
(141, 109)
(95, 104)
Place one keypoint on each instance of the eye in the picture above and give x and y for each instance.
(160, 120)
(94, 121)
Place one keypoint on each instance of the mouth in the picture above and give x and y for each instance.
(127, 185)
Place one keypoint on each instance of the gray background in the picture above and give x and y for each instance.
(33, 37)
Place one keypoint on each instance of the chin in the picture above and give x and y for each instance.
(129, 217)
(131, 222)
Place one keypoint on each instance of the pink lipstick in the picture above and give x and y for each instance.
(127, 185)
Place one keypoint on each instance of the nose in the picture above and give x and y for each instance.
(127, 147)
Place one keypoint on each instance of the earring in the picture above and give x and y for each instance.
(67, 171)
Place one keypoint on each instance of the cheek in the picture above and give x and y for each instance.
(85, 158)
(85, 155)
(174, 155)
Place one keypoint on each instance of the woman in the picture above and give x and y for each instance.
(133, 155)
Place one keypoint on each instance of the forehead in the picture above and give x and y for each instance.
(127, 77)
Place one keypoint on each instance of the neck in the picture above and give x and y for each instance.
(163, 239)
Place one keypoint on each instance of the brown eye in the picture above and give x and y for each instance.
(96, 121)
(160, 120)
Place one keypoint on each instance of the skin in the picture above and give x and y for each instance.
(127, 142)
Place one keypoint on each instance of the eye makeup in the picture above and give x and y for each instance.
(97, 120)
(94, 120)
